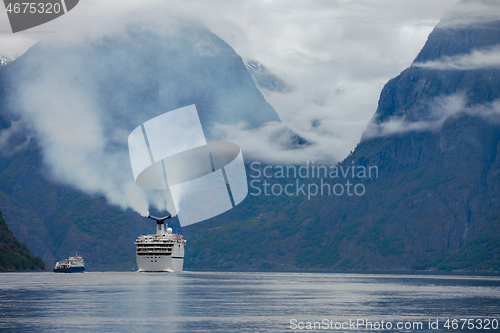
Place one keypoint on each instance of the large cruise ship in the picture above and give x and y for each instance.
(163, 252)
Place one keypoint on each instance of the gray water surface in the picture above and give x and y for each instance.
(241, 302)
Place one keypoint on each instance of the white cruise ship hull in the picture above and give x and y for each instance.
(156, 261)
(159, 264)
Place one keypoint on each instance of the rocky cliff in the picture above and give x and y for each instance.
(435, 205)
(15, 255)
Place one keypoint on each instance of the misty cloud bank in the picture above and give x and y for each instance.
(12, 138)
(468, 12)
(336, 56)
(442, 108)
(81, 99)
(477, 59)
(78, 143)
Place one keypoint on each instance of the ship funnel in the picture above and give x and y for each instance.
(160, 229)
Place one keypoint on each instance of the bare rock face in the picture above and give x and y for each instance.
(435, 204)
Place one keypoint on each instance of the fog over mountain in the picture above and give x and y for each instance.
(115, 71)
(80, 100)
(68, 104)
(435, 139)
(336, 56)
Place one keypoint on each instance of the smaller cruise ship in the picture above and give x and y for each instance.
(73, 264)
(163, 252)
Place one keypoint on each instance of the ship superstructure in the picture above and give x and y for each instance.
(163, 252)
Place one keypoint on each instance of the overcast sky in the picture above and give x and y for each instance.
(336, 54)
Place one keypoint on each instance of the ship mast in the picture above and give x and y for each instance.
(160, 230)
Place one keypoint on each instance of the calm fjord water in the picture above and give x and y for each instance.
(240, 302)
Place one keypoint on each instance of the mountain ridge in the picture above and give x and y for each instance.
(433, 206)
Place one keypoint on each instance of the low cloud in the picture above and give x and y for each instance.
(489, 58)
(75, 143)
(337, 56)
(467, 12)
(399, 126)
(490, 111)
(324, 119)
(442, 108)
(12, 138)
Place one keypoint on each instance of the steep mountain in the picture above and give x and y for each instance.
(435, 140)
(265, 79)
(126, 78)
(15, 255)
(430, 203)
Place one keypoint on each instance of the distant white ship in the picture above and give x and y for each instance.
(163, 252)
